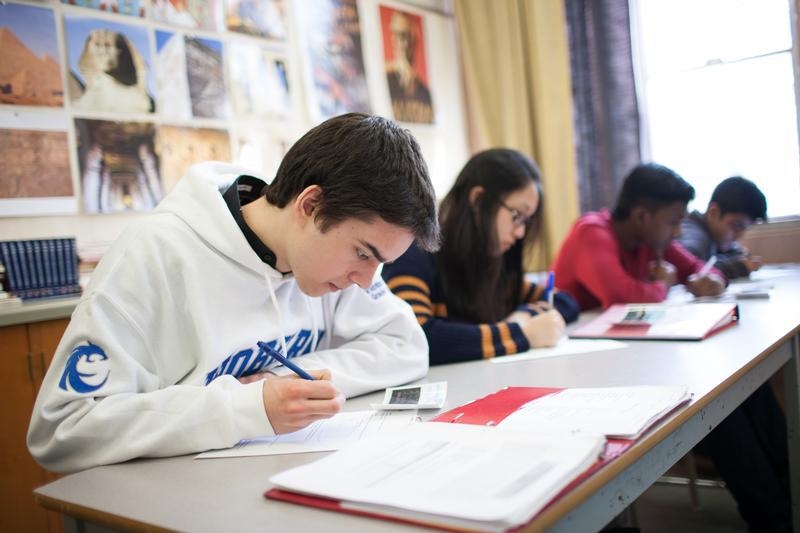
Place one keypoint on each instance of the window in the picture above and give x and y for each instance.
(717, 94)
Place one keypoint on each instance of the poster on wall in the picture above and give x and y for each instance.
(406, 66)
(178, 148)
(134, 8)
(30, 69)
(194, 14)
(118, 165)
(258, 81)
(35, 179)
(108, 65)
(204, 68)
(172, 83)
(261, 18)
(333, 57)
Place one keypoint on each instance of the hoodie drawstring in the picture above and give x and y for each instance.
(274, 299)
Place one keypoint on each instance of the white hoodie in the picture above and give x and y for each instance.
(173, 315)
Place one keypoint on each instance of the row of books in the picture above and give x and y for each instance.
(40, 268)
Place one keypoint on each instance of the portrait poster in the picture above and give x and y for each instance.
(258, 81)
(193, 14)
(118, 166)
(134, 8)
(36, 178)
(334, 59)
(261, 18)
(108, 64)
(406, 66)
(30, 68)
(178, 148)
(204, 67)
(172, 83)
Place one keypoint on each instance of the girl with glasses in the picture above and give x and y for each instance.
(472, 297)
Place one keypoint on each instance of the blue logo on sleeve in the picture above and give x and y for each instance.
(81, 373)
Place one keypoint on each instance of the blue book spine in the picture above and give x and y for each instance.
(38, 257)
(73, 262)
(25, 275)
(59, 249)
(47, 259)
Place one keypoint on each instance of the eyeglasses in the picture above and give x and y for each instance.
(517, 217)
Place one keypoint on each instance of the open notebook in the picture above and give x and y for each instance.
(688, 321)
(489, 465)
(451, 476)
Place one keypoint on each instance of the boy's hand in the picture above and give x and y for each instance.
(752, 262)
(707, 285)
(663, 271)
(292, 403)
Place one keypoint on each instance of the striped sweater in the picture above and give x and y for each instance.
(413, 277)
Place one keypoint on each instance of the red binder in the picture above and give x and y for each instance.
(689, 322)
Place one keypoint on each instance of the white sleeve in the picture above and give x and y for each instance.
(375, 342)
(107, 398)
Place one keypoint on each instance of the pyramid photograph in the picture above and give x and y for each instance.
(30, 71)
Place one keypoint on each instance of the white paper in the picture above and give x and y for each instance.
(565, 347)
(480, 477)
(323, 435)
(424, 396)
(613, 411)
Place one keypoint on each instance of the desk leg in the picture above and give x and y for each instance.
(791, 375)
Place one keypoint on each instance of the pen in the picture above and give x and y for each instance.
(707, 267)
(551, 281)
(285, 361)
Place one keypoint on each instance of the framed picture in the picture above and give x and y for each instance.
(406, 67)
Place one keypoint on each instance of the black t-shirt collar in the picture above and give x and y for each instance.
(242, 191)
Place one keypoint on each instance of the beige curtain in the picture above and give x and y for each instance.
(516, 69)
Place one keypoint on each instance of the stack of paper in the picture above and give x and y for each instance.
(448, 475)
(618, 412)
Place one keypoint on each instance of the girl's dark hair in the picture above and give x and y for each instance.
(367, 167)
(479, 286)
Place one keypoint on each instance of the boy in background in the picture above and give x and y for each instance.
(172, 348)
(735, 205)
(630, 255)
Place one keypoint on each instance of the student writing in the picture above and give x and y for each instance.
(735, 205)
(630, 255)
(165, 354)
(471, 297)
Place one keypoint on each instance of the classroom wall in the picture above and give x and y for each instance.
(444, 143)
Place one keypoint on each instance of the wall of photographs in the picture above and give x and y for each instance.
(105, 103)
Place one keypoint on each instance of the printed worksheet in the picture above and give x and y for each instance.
(321, 436)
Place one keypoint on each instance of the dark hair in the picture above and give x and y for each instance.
(367, 167)
(740, 195)
(652, 186)
(479, 286)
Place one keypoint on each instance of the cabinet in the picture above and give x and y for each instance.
(26, 353)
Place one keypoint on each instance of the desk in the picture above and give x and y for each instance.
(226, 494)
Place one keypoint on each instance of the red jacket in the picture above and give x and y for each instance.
(592, 266)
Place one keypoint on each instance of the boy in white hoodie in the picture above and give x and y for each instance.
(170, 349)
